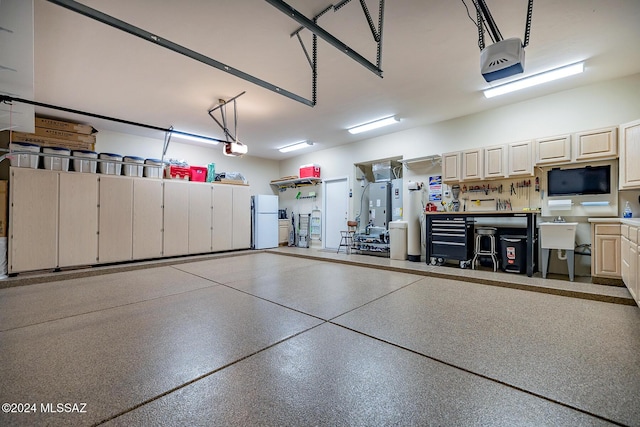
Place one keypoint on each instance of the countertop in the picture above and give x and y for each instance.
(629, 221)
(485, 213)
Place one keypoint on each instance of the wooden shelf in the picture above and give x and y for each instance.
(293, 183)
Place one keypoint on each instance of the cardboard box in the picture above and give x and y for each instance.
(4, 203)
(43, 141)
(310, 171)
(69, 136)
(46, 123)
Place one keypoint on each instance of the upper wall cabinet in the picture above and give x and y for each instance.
(630, 155)
(597, 144)
(495, 159)
(472, 164)
(556, 149)
(520, 158)
(451, 166)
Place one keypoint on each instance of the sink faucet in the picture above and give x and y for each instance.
(559, 219)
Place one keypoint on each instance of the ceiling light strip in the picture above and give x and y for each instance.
(373, 125)
(535, 80)
(296, 146)
(145, 35)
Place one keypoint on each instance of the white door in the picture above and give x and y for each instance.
(336, 208)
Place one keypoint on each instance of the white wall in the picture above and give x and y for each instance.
(584, 108)
(258, 172)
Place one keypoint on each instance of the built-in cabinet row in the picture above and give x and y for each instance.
(65, 219)
(519, 158)
(616, 254)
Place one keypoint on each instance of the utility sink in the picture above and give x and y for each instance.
(558, 235)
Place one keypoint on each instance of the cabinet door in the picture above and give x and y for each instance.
(451, 166)
(115, 238)
(608, 258)
(222, 218)
(472, 164)
(147, 218)
(78, 226)
(597, 144)
(494, 161)
(241, 217)
(520, 158)
(629, 155)
(176, 218)
(553, 150)
(625, 246)
(200, 224)
(33, 217)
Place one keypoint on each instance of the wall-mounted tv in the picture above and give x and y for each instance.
(587, 180)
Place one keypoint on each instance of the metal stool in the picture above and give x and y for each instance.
(489, 232)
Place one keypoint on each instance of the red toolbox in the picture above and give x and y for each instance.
(176, 172)
(198, 173)
(310, 171)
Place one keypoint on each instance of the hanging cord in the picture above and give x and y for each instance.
(527, 28)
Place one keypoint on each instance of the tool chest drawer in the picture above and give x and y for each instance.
(449, 238)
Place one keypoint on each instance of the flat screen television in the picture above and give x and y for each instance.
(587, 180)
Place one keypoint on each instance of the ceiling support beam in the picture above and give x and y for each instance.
(323, 34)
(150, 37)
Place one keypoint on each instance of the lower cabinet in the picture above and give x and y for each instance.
(78, 223)
(630, 252)
(222, 216)
(147, 218)
(115, 237)
(241, 217)
(33, 220)
(200, 225)
(606, 258)
(176, 218)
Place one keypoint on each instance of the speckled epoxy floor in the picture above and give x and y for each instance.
(267, 339)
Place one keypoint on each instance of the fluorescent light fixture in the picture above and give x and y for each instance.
(373, 125)
(296, 146)
(196, 138)
(536, 79)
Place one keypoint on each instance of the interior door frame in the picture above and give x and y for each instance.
(344, 178)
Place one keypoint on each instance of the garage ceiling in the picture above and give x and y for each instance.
(430, 63)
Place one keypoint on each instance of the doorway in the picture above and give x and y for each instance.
(336, 209)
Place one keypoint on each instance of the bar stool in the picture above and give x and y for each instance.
(346, 237)
(489, 232)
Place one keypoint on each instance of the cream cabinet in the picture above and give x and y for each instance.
(115, 238)
(606, 253)
(520, 158)
(176, 218)
(630, 155)
(33, 220)
(451, 166)
(222, 236)
(147, 218)
(78, 223)
(472, 164)
(283, 232)
(200, 217)
(495, 159)
(630, 259)
(553, 150)
(598, 144)
(241, 217)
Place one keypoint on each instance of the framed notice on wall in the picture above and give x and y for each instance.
(435, 188)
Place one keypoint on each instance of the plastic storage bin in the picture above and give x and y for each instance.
(56, 163)
(110, 168)
(513, 251)
(24, 160)
(310, 171)
(153, 168)
(177, 172)
(81, 165)
(198, 173)
(133, 166)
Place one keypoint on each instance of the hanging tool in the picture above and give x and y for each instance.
(537, 183)
(512, 191)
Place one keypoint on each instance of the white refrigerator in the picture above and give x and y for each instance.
(264, 221)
